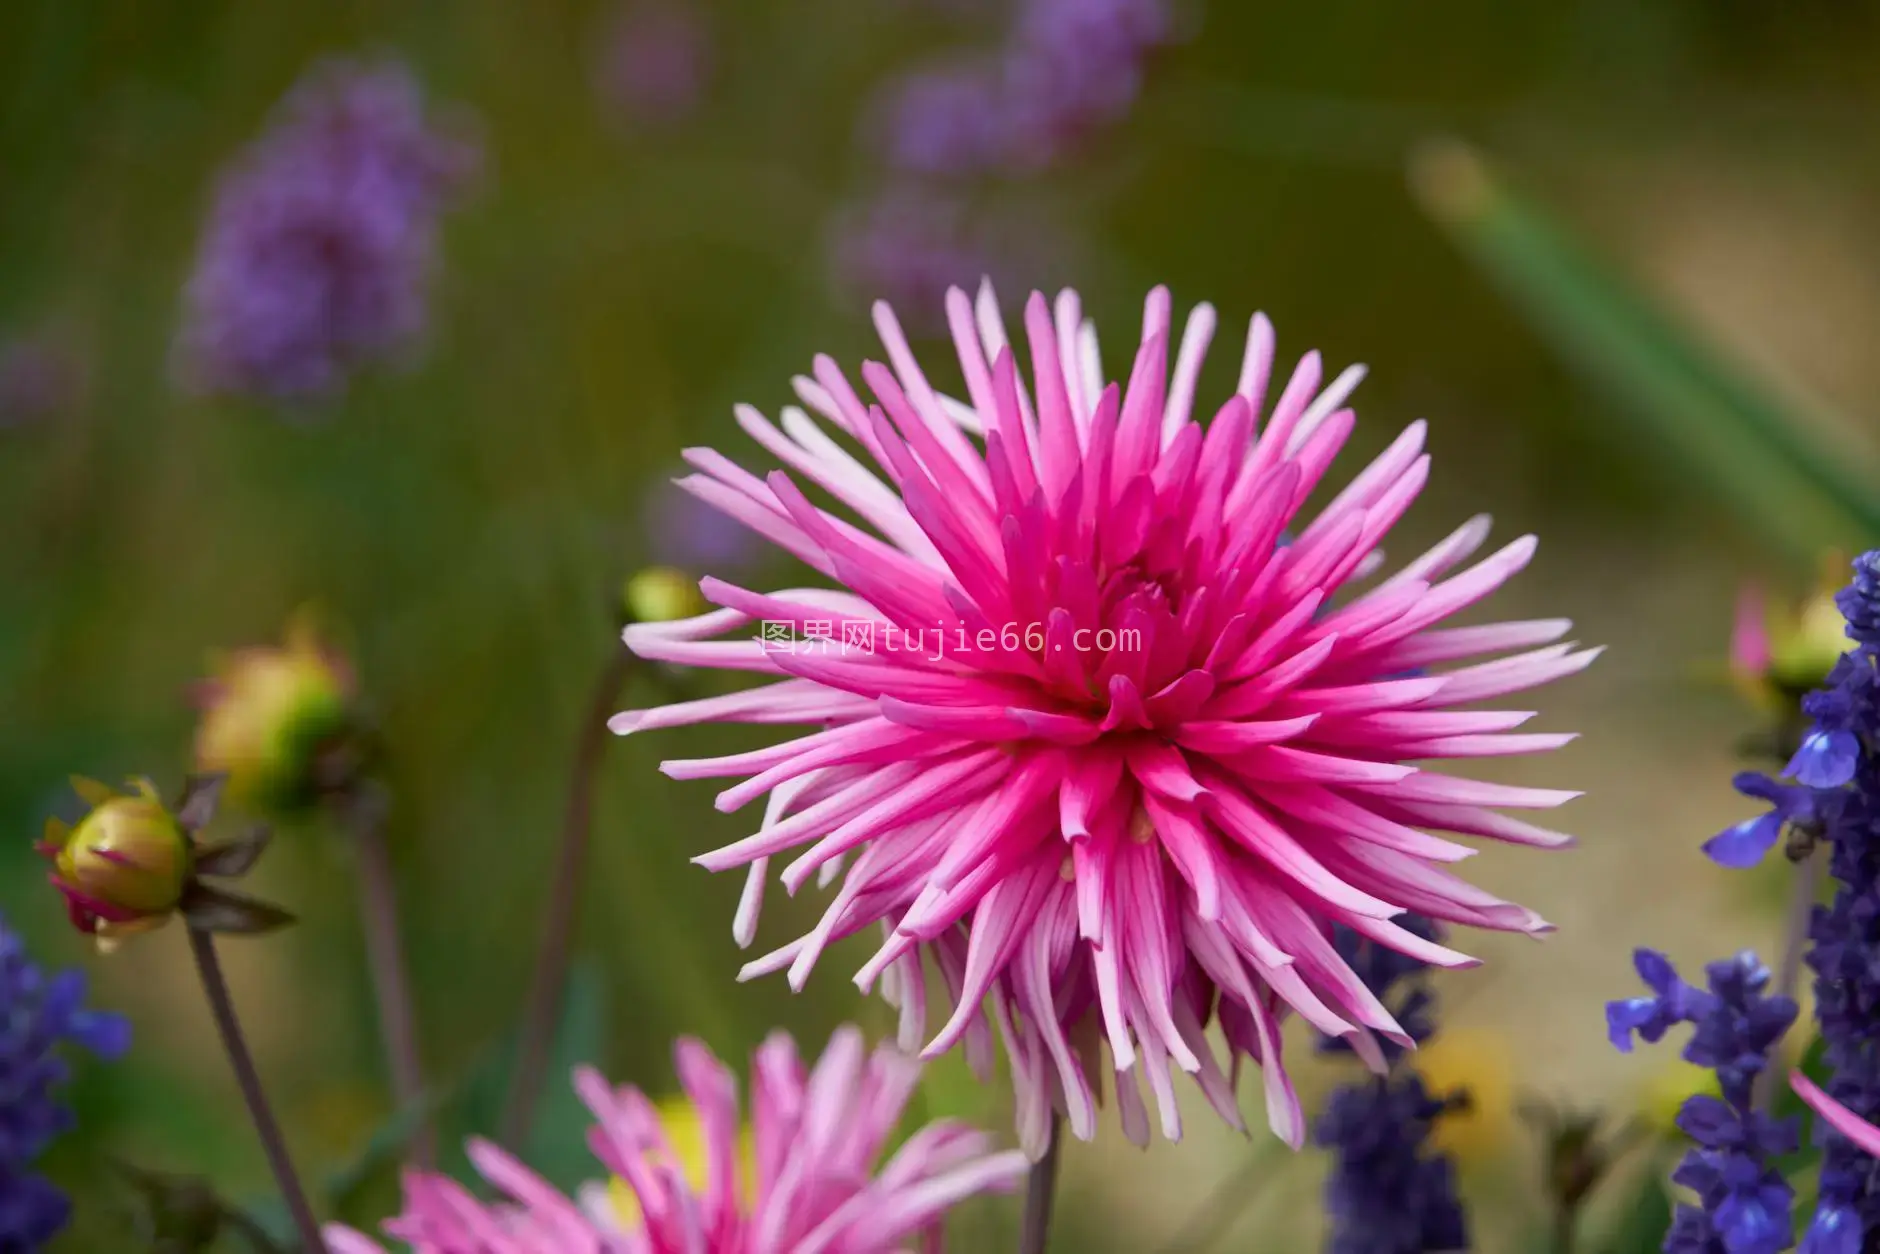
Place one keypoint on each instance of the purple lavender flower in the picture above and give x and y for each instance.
(1845, 934)
(316, 254)
(1388, 1192)
(654, 63)
(37, 1017)
(1075, 65)
(1066, 68)
(1745, 1204)
(946, 118)
(1836, 798)
(1795, 806)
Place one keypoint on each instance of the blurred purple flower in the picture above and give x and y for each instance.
(1074, 65)
(911, 242)
(318, 248)
(39, 379)
(906, 248)
(684, 532)
(1066, 68)
(654, 63)
(945, 118)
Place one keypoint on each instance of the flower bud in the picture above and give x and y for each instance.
(660, 594)
(1808, 646)
(1778, 656)
(279, 722)
(125, 866)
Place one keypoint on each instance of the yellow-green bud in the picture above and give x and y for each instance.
(125, 866)
(660, 594)
(1803, 649)
(268, 716)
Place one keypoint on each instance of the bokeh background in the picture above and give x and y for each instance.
(662, 229)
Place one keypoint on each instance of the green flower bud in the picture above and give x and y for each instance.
(275, 720)
(125, 867)
(660, 594)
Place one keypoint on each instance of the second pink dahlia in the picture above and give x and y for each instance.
(811, 1181)
(1103, 737)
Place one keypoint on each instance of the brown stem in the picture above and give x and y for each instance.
(1040, 1192)
(550, 975)
(385, 956)
(1566, 1229)
(215, 987)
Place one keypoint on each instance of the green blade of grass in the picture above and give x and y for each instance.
(1772, 465)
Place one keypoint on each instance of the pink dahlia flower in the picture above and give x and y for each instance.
(809, 1184)
(1108, 751)
(1840, 1118)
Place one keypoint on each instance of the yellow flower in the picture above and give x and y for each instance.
(1667, 1090)
(123, 869)
(660, 594)
(1479, 1062)
(685, 1132)
(269, 716)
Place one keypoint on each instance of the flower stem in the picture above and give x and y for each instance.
(550, 975)
(1040, 1192)
(215, 988)
(1566, 1228)
(378, 916)
(1804, 886)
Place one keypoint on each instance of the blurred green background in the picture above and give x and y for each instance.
(606, 296)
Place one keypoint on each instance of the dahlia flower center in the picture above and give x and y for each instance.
(1133, 584)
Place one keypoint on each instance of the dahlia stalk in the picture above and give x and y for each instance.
(1096, 741)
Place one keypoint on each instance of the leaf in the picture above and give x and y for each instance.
(1640, 1224)
(217, 910)
(556, 1147)
(202, 794)
(1773, 465)
(235, 857)
(383, 1148)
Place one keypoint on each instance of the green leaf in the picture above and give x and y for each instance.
(1778, 468)
(383, 1149)
(556, 1147)
(1639, 1226)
